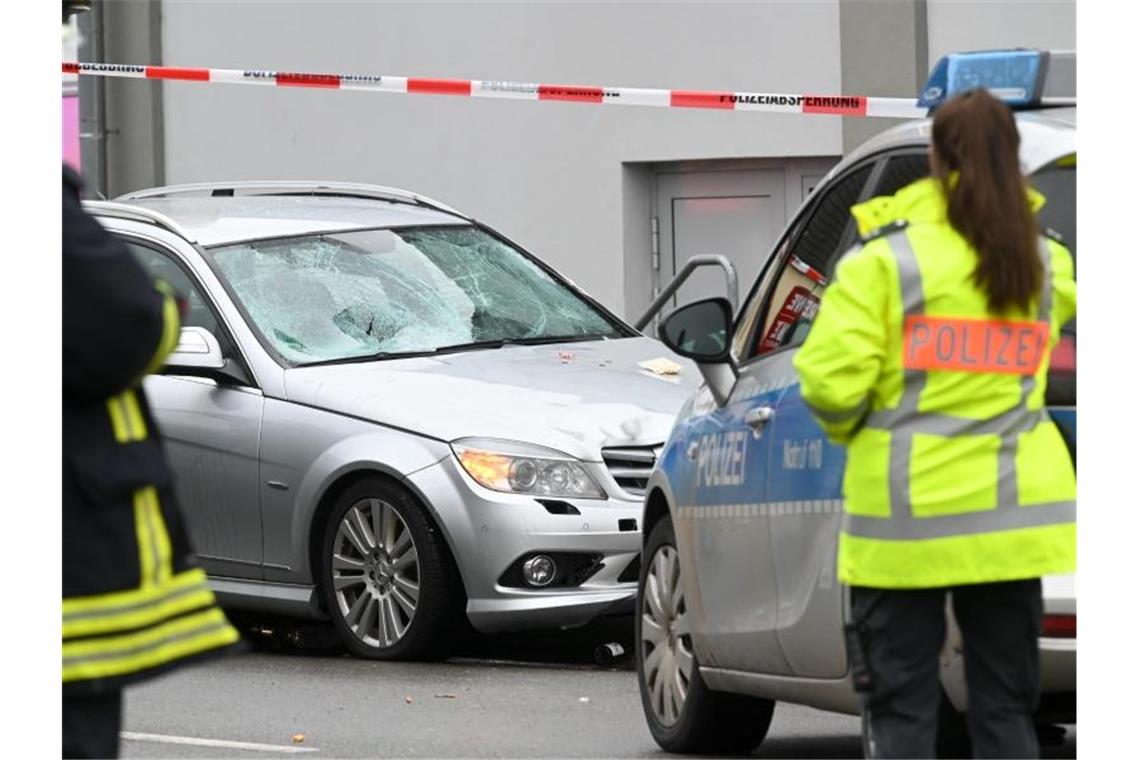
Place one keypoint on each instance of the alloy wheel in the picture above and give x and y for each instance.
(667, 647)
(375, 572)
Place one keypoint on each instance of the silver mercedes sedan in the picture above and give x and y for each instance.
(383, 413)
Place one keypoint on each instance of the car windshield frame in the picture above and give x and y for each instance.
(620, 328)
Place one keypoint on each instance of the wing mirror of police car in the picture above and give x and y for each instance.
(198, 354)
(702, 331)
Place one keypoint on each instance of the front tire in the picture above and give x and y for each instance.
(683, 714)
(386, 575)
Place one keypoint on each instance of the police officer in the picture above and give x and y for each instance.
(135, 603)
(928, 359)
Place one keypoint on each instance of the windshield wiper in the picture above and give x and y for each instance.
(378, 356)
(455, 348)
(500, 342)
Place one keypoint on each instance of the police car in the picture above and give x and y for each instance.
(738, 602)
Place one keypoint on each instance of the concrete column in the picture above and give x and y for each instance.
(133, 151)
(883, 51)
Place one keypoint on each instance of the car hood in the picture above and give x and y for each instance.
(576, 397)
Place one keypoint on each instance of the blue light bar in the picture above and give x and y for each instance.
(1013, 76)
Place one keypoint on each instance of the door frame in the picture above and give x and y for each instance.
(794, 169)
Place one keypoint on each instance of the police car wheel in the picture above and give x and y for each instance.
(387, 578)
(683, 714)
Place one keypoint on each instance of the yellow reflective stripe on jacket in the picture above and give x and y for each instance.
(157, 590)
(127, 421)
(148, 543)
(154, 541)
(126, 610)
(171, 325)
(109, 656)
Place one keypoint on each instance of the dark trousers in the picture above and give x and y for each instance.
(903, 631)
(91, 725)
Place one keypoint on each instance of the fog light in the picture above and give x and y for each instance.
(538, 570)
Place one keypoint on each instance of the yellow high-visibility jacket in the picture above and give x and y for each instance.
(955, 473)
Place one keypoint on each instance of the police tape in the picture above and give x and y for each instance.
(836, 105)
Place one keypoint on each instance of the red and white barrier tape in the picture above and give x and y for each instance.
(839, 105)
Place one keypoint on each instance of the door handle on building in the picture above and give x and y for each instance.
(757, 417)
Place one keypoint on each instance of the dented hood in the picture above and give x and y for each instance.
(574, 397)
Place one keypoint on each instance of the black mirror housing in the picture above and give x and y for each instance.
(701, 331)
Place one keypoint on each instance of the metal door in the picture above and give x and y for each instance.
(738, 214)
(211, 434)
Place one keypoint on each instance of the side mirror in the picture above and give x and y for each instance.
(198, 354)
(702, 331)
(197, 349)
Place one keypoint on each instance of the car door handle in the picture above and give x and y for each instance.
(757, 417)
(693, 450)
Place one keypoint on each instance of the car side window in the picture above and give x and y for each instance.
(161, 266)
(900, 171)
(790, 306)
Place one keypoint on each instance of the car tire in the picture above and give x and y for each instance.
(397, 598)
(705, 721)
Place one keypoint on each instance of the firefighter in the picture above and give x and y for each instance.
(135, 603)
(928, 359)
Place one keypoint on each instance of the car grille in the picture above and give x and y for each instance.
(631, 465)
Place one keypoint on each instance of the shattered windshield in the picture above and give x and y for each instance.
(400, 291)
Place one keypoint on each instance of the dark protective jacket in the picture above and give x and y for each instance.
(135, 603)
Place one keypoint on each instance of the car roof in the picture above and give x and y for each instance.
(1046, 135)
(213, 221)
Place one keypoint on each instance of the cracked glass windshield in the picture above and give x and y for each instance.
(398, 291)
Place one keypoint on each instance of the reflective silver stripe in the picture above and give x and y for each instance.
(839, 415)
(914, 303)
(1013, 422)
(897, 528)
(1007, 454)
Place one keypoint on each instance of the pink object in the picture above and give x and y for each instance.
(71, 131)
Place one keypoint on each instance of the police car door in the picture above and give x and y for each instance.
(805, 486)
(722, 513)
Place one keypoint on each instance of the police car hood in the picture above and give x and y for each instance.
(576, 397)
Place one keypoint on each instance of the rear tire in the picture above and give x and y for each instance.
(683, 714)
(387, 577)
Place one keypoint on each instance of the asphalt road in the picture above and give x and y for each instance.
(520, 696)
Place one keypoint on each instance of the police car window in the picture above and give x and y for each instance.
(900, 171)
(1058, 183)
(794, 301)
(161, 267)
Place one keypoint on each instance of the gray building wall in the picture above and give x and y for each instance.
(989, 24)
(548, 175)
(572, 183)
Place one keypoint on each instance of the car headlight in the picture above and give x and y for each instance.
(525, 469)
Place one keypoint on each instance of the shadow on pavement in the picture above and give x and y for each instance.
(577, 647)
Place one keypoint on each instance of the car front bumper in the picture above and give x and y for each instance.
(488, 532)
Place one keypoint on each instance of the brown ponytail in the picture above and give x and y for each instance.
(976, 136)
